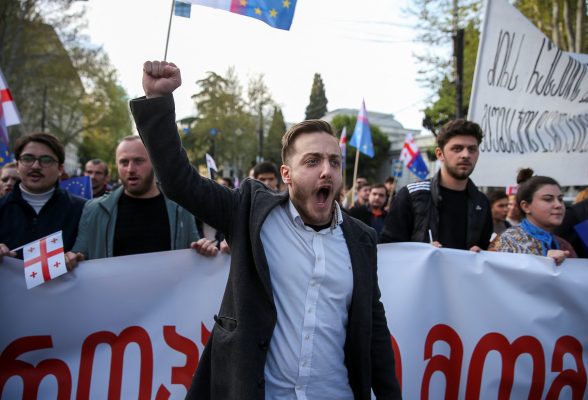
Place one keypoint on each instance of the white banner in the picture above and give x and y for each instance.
(531, 100)
(477, 326)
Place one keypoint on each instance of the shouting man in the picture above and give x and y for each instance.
(301, 316)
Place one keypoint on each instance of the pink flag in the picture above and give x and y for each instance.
(44, 260)
(8, 112)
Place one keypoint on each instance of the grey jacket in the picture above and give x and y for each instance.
(232, 364)
(98, 220)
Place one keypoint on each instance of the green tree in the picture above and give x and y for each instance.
(317, 107)
(273, 148)
(368, 167)
(221, 108)
(60, 82)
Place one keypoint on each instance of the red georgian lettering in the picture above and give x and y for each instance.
(182, 375)
(32, 376)
(118, 344)
(576, 380)
(397, 360)
(450, 367)
(509, 353)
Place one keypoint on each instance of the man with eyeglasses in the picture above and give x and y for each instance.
(38, 207)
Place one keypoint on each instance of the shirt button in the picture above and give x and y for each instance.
(307, 337)
(309, 310)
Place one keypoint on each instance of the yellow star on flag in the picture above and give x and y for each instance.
(243, 3)
(286, 3)
(273, 13)
(258, 11)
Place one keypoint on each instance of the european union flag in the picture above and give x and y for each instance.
(80, 186)
(362, 136)
(412, 158)
(276, 13)
(5, 155)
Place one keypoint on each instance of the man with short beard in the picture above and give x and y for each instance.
(301, 315)
(447, 210)
(37, 206)
(136, 217)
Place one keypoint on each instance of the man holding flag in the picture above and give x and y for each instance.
(447, 210)
(38, 207)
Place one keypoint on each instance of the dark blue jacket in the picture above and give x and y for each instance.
(20, 224)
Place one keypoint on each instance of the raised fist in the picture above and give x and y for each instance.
(160, 78)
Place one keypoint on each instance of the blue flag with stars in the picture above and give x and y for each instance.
(276, 13)
(5, 155)
(362, 136)
(80, 186)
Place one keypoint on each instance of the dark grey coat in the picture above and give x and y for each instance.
(232, 364)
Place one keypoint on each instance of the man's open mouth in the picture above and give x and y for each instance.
(323, 194)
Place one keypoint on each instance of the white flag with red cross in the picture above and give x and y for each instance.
(8, 112)
(44, 260)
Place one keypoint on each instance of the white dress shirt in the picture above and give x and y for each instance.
(312, 283)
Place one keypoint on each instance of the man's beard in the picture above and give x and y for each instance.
(143, 188)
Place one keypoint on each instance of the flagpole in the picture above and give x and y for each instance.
(171, 14)
(354, 187)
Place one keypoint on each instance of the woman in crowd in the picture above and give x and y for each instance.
(541, 201)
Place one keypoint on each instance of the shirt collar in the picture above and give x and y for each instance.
(297, 219)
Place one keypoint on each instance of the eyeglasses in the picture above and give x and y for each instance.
(44, 161)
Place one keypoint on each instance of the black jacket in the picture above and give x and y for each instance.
(232, 364)
(415, 208)
(20, 224)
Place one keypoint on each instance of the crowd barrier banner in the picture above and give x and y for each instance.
(531, 100)
(463, 325)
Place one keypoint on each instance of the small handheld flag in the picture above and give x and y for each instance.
(362, 136)
(80, 186)
(44, 260)
(276, 13)
(411, 156)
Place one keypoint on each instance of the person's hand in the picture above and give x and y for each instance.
(475, 249)
(72, 259)
(160, 78)
(224, 247)
(5, 251)
(558, 255)
(436, 244)
(205, 247)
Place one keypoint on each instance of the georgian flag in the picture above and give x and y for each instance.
(44, 260)
(411, 156)
(8, 112)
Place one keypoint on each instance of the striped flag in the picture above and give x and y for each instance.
(276, 13)
(362, 136)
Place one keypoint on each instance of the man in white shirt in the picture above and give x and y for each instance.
(301, 316)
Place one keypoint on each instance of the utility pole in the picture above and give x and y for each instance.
(458, 44)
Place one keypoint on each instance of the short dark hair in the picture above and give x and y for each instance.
(97, 161)
(496, 195)
(378, 186)
(458, 127)
(308, 126)
(44, 138)
(265, 167)
(390, 179)
(529, 184)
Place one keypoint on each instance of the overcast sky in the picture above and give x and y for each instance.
(361, 49)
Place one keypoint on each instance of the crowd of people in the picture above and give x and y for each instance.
(299, 206)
